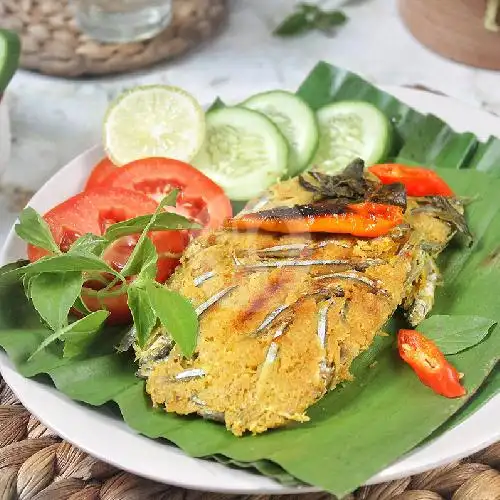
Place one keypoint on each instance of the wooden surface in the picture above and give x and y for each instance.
(454, 29)
(53, 44)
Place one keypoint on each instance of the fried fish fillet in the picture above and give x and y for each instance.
(282, 317)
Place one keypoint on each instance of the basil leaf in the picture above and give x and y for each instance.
(89, 244)
(26, 281)
(308, 8)
(68, 262)
(326, 21)
(136, 258)
(147, 261)
(78, 330)
(164, 221)
(80, 306)
(81, 336)
(33, 229)
(295, 24)
(177, 315)
(142, 312)
(53, 294)
(454, 334)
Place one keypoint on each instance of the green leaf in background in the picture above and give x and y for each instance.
(34, 230)
(53, 295)
(177, 315)
(163, 222)
(308, 17)
(295, 24)
(81, 333)
(74, 332)
(89, 244)
(360, 428)
(142, 311)
(327, 21)
(454, 334)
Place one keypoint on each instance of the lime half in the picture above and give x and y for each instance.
(10, 50)
(154, 121)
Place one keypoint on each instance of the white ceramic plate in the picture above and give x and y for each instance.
(104, 436)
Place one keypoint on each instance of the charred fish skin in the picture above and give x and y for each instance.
(274, 335)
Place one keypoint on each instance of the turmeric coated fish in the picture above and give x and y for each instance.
(283, 316)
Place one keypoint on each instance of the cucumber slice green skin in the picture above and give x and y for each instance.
(350, 130)
(244, 152)
(10, 52)
(296, 121)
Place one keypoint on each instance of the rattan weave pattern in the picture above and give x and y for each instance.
(35, 464)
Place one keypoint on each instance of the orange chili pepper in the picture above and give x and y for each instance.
(429, 363)
(364, 220)
(418, 181)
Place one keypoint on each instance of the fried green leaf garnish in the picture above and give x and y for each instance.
(351, 186)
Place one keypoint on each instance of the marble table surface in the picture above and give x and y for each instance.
(53, 120)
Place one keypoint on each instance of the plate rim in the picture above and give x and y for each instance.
(271, 486)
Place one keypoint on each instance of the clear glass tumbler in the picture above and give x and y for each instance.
(120, 21)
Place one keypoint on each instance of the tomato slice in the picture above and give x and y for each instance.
(92, 212)
(200, 198)
(100, 172)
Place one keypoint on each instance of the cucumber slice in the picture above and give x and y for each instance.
(350, 130)
(296, 121)
(10, 51)
(243, 152)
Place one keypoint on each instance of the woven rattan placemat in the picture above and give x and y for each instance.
(53, 44)
(36, 464)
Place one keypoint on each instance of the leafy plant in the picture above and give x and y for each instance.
(309, 17)
(55, 283)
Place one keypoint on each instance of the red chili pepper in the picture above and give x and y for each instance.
(418, 181)
(363, 219)
(429, 364)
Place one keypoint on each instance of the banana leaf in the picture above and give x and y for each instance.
(361, 427)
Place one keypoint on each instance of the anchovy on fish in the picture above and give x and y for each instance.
(374, 285)
(270, 318)
(199, 280)
(325, 371)
(214, 299)
(191, 374)
(360, 266)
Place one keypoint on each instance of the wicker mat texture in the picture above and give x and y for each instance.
(53, 44)
(36, 464)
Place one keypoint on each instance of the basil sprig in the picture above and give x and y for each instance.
(54, 283)
(308, 17)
